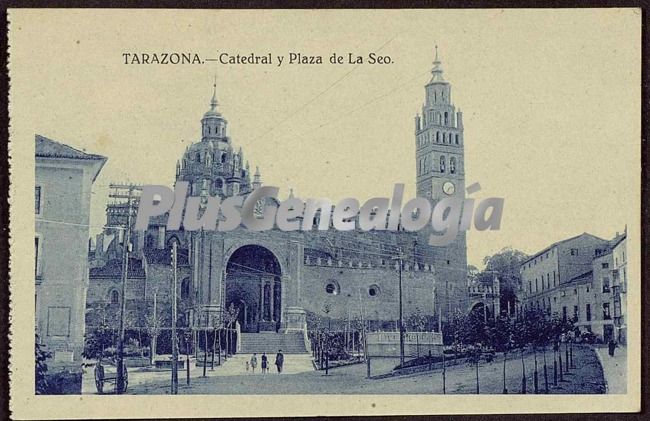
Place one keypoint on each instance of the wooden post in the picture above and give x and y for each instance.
(444, 373)
(367, 366)
(119, 386)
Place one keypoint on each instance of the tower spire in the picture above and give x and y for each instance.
(213, 101)
(437, 68)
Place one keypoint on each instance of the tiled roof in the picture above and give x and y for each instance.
(557, 243)
(48, 148)
(113, 269)
(616, 240)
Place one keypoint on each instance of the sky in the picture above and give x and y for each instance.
(551, 103)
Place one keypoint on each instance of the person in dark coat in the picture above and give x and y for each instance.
(279, 360)
(612, 347)
(265, 363)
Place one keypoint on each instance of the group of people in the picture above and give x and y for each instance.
(279, 362)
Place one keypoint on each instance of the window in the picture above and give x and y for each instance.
(37, 262)
(437, 137)
(37, 200)
(332, 288)
(442, 163)
(452, 165)
(564, 313)
(115, 297)
(553, 278)
(185, 289)
(373, 291)
(588, 310)
(536, 285)
(574, 252)
(605, 284)
(447, 120)
(530, 287)
(575, 314)
(457, 139)
(605, 265)
(606, 315)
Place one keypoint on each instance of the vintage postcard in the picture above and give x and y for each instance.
(324, 212)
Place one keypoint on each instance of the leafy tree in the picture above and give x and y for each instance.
(521, 336)
(505, 264)
(502, 335)
(98, 340)
(416, 321)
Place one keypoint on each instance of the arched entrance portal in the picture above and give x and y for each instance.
(253, 285)
(481, 311)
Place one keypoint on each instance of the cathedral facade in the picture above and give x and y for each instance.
(280, 280)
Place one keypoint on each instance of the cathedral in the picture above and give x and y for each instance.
(279, 281)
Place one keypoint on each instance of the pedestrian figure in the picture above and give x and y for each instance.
(279, 360)
(612, 347)
(253, 362)
(265, 363)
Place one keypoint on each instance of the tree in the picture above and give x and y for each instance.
(153, 324)
(520, 339)
(501, 334)
(506, 265)
(41, 355)
(416, 321)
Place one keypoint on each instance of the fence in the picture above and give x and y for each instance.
(416, 344)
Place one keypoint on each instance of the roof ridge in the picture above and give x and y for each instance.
(66, 151)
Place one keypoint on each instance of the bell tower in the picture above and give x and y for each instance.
(440, 173)
(439, 142)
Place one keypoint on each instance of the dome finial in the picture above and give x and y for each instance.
(213, 102)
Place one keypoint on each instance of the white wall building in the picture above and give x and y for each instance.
(64, 178)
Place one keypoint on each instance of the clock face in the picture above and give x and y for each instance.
(448, 188)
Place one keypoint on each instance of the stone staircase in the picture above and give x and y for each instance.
(271, 342)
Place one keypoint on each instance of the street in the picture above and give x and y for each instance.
(232, 378)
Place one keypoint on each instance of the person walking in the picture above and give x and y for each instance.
(279, 360)
(612, 347)
(253, 362)
(265, 363)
